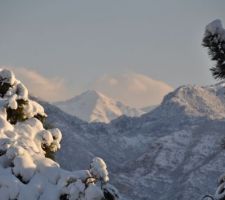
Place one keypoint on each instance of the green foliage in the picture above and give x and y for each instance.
(40, 118)
(15, 115)
(4, 87)
(216, 50)
(48, 152)
(109, 196)
(47, 125)
(18, 115)
(64, 197)
(21, 179)
(2, 152)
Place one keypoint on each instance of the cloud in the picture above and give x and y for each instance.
(133, 89)
(50, 89)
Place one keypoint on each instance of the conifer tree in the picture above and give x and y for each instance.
(214, 40)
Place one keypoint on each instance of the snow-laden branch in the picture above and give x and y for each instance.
(25, 171)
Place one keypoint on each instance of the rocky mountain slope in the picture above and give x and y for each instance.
(174, 152)
(93, 106)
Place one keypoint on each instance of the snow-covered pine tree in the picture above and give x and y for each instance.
(214, 40)
(19, 106)
(25, 171)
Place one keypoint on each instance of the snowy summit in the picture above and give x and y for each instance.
(93, 106)
(26, 172)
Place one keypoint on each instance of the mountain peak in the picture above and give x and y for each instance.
(88, 94)
(93, 106)
(92, 92)
(181, 137)
(195, 101)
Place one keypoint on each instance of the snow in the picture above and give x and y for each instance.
(25, 171)
(93, 106)
(12, 102)
(24, 166)
(32, 108)
(99, 169)
(215, 27)
(56, 134)
(93, 192)
(19, 89)
(47, 137)
(198, 101)
(76, 189)
(173, 152)
(22, 91)
(7, 76)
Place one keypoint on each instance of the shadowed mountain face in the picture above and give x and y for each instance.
(172, 153)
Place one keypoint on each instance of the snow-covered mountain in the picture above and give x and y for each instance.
(149, 108)
(175, 152)
(93, 106)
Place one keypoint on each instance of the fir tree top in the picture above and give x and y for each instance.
(214, 40)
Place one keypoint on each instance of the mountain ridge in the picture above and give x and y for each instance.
(93, 106)
(172, 153)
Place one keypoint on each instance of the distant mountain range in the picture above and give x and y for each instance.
(93, 106)
(174, 152)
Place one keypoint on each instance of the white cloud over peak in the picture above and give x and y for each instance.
(136, 90)
(47, 88)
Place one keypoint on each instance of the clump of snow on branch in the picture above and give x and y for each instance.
(25, 171)
(7, 76)
(14, 99)
(214, 40)
(15, 86)
(215, 27)
(99, 169)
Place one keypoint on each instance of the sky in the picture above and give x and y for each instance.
(71, 46)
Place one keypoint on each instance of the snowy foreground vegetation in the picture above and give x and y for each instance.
(214, 40)
(26, 173)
